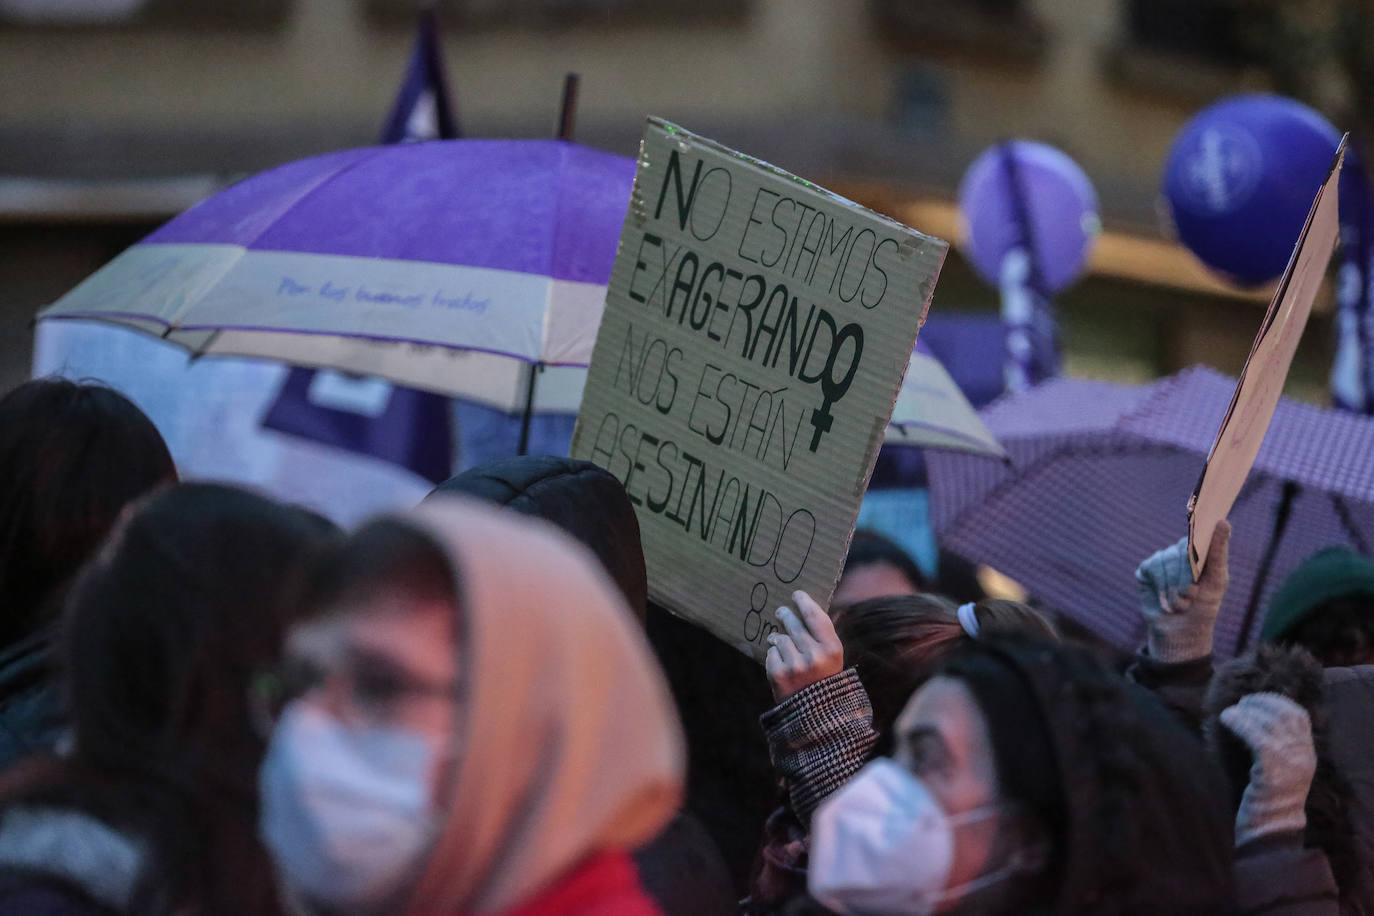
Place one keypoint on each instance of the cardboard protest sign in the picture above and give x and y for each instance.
(755, 335)
(1261, 380)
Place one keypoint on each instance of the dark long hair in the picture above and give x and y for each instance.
(1135, 805)
(895, 643)
(72, 456)
(164, 630)
(383, 557)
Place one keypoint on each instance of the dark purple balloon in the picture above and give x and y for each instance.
(1044, 198)
(1240, 179)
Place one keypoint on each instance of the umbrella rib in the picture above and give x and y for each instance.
(174, 323)
(317, 188)
(562, 147)
(1348, 523)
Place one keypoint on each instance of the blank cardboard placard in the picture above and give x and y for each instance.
(1266, 369)
(755, 335)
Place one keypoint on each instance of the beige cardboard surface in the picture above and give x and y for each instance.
(755, 335)
(1261, 380)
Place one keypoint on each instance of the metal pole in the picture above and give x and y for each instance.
(1281, 514)
(567, 114)
(524, 446)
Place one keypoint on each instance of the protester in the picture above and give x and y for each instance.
(72, 456)
(1288, 681)
(718, 692)
(153, 808)
(876, 566)
(1267, 744)
(579, 497)
(681, 868)
(1348, 694)
(480, 727)
(1326, 606)
(830, 720)
(1028, 779)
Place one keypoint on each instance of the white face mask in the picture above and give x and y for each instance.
(345, 812)
(882, 845)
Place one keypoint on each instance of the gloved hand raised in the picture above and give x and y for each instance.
(1180, 614)
(1279, 734)
(809, 651)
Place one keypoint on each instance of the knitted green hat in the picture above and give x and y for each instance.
(1333, 572)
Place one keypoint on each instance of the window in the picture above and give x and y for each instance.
(84, 14)
(558, 13)
(1202, 29)
(1003, 30)
(1189, 49)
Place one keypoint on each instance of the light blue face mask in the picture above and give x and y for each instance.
(346, 812)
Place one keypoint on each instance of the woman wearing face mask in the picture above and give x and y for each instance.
(839, 687)
(681, 868)
(1027, 779)
(477, 727)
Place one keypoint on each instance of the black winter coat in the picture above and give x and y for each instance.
(30, 719)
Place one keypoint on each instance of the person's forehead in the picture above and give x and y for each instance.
(875, 580)
(391, 623)
(947, 706)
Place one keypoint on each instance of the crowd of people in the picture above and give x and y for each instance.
(214, 703)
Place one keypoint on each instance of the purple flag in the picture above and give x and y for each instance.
(1352, 371)
(423, 108)
(368, 416)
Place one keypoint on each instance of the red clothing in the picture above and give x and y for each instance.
(607, 884)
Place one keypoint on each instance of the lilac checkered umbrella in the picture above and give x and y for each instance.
(1100, 476)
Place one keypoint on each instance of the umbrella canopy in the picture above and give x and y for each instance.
(1099, 478)
(932, 412)
(445, 265)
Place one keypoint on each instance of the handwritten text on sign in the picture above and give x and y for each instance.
(754, 338)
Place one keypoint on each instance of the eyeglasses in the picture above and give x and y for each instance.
(372, 684)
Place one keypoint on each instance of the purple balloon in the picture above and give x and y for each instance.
(1024, 192)
(1240, 179)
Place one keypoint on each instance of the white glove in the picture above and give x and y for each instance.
(1279, 735)
(1180, 614)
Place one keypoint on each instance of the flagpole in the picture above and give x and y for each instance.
(567, 114)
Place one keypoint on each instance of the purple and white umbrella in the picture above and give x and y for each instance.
(1100, 476)
(930, 411)
(448, 266)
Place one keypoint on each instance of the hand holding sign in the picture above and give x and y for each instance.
(1261, 381)
(807, 653)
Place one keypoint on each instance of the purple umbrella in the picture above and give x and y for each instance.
(447, 265)
(1099, 479)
